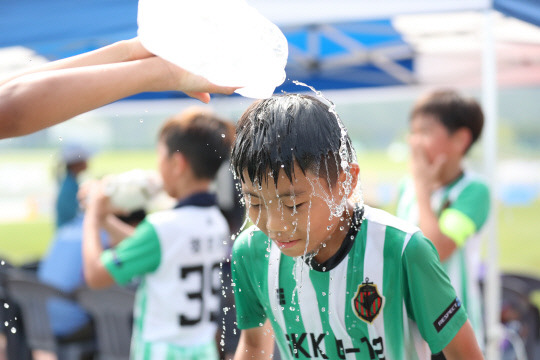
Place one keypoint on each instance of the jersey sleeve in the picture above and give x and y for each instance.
(467, 214)
(134, 256)
(430, 299)
(249, 310)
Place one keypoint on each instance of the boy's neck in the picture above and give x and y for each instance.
(188, 188)
(334, 243)
(450, 173)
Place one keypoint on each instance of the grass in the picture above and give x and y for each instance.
(28, 240)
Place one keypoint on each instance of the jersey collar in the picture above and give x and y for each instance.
(346, 245)
(203, 199)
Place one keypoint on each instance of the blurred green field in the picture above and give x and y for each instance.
(28, 240)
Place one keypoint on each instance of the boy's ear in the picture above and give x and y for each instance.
(462, 139)
(179, 163)
(354, 170)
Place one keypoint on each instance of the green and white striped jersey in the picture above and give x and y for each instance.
(462, 208)
(178, 254)
(379, 297)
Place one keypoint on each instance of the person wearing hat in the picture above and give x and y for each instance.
(74, 160)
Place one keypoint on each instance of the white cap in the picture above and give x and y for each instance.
(73, 152)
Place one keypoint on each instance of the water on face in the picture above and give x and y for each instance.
(337, 205)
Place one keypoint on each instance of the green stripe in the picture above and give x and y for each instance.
(356, 328)
(393, 293)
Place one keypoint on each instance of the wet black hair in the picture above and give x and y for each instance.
(453, 111)
(274, 133)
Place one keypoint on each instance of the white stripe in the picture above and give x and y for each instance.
(273, 286)
(158, 351)
(373, 269)
(453, 268)
(339, 302)
(384, 218)
(406, 242)
(307, 300)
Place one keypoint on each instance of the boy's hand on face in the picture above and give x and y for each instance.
(425, 174)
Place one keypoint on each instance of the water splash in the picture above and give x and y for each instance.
(344, 155)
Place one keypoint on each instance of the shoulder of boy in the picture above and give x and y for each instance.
(249, 240)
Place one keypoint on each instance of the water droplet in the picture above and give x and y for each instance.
(2, 262)
(222, 135)
(141, 121)
(6, 305)
(6, 323)
(323, 309)
(13, 330)
(59, 138)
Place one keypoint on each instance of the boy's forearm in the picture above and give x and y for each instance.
(120, 51)
(96, 276)
(40, 100)
(464, 345)
(256, 343)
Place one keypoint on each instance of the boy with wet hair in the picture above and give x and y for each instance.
(332, 278)
(178, 252)
(449, 204)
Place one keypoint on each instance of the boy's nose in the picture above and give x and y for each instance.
(275, 223)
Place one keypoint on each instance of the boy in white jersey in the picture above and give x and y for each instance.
(176, 253)
(449, 204)
(332, 279)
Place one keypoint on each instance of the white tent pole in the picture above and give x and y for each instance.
(492, 293)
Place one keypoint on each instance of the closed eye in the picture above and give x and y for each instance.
(294, 206)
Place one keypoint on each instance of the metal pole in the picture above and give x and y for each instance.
(492, 293)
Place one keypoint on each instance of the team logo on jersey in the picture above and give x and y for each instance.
(367, 303)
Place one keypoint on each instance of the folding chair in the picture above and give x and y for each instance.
(112, 310)
(31, 295)
(519, 315)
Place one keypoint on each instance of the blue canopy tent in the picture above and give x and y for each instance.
(351, 44)
(321, 55)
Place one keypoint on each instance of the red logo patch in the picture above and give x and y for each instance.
(367, 303)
